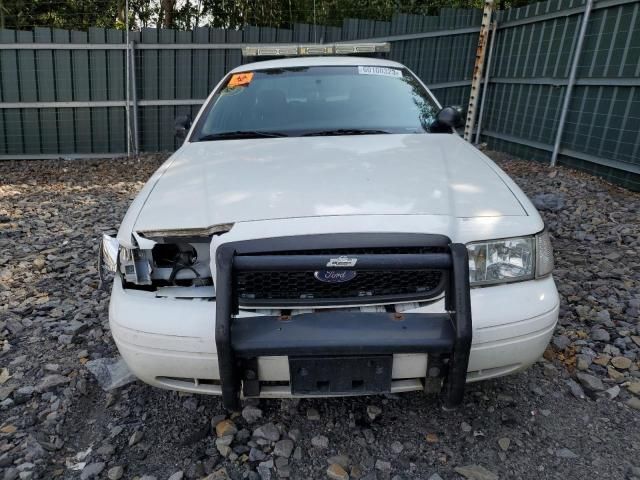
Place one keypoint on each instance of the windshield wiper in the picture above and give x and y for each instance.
(241, 134)
(345, 131)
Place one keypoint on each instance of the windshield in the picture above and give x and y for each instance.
(325, 100)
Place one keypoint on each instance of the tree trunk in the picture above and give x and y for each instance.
(168, 7)
(122, 13)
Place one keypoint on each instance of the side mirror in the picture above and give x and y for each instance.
(446, 119)
(182, 126)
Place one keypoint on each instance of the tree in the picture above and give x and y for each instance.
(186, 14)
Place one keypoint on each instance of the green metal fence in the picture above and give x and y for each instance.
(64, 94)
(528, 78)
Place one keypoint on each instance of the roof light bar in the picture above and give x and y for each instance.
(319, 49)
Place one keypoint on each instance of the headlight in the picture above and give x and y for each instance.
(510, 260)
(133, 264)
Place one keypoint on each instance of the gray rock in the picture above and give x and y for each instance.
(613, 392)
(268, 431)
(504, 443)
(397, 447)
(135, 437)
(106, 449)
(369, 436)
(115, 473)
(435, 476)
(343, 460)
(223, 444)
(561, 342)
(177, 476)
(476, 472)
(93, 470)
(11, 474)
(548, 201)
(320, 441)
(75, 327)
(32, 449)
(634, 402)
(583, 362)
(251, 414)
(565, 453)
(283, 448)
(373, 412)
(23, 394)
(600, 335)
(6, 391)
(297, 453)
(313, 414)
(383, 465)
(590, 382)
(256, 455)
(576, 389)
(264, 472)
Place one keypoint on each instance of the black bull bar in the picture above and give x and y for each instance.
(240, 340)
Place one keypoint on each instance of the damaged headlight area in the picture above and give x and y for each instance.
(510, 260)
(174, 264)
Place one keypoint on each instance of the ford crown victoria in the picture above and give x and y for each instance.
(324, 230)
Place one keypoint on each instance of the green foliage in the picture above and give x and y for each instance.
(187, 14)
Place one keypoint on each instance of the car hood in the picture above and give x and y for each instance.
(218, 182)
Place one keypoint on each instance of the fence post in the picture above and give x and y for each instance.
(571, 82)
(127, 77)
(134, 98)
(494, 32)
(478, 68)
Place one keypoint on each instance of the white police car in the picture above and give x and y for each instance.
(324, 231)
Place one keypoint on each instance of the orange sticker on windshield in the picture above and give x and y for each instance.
(240, 79)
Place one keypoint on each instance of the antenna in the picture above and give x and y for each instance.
(315, 31)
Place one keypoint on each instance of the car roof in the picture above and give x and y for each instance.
(335, 60)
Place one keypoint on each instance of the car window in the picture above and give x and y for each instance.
(303, 101)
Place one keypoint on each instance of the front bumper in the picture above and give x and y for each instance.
(170, 343)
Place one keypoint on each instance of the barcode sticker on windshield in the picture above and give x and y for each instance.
(385, 71)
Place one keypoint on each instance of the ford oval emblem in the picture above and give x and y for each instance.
(335, 276)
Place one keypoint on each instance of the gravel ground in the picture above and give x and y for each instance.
(574, 414)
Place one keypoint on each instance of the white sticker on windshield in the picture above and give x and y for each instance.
(386, 71)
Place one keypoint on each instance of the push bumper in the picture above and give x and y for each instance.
(368, 340)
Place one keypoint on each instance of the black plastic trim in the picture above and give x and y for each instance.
(343, 333)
